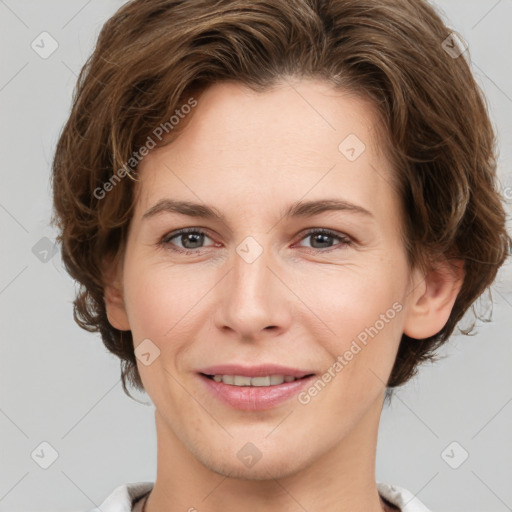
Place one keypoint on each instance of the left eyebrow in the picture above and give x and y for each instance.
(297, 209)
(310, 208)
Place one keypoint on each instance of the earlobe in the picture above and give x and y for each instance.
(113, 295)
(432, 299)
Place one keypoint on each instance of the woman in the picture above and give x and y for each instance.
(276, 210)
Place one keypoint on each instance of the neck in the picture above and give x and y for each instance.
(340, 480)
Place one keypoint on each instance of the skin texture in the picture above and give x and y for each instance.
(250, 155)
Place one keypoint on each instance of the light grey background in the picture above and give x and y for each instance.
(59, 385)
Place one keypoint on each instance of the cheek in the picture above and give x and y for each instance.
(162, 304)
(349, 299)
(355, 313)
(163, 300)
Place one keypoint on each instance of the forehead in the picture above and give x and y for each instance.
(296, 138)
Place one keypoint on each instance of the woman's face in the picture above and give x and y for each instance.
(259, 287)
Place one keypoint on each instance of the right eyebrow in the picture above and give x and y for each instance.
(184, 208)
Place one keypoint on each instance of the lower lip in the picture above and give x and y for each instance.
(255, 398)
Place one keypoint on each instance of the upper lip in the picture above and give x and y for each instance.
(254, 371)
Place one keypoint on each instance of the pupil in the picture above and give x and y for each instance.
(322, 238)
(187, 238)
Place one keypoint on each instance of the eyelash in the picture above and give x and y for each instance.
(166, 239)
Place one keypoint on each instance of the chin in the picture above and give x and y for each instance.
(269, 470)
(269, 463)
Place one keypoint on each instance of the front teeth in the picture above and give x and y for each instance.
(240, 380)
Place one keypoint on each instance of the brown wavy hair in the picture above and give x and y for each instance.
(151, 56)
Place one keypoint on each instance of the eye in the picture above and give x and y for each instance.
(321, 239)
(190, 238)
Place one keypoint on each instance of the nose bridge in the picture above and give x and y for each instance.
(250, 303)
(251, 273)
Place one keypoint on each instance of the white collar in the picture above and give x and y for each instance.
(122, 498)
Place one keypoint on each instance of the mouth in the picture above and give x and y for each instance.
(255, 393)
(259, 381)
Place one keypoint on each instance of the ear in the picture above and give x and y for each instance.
(113, 294)
(432, 299)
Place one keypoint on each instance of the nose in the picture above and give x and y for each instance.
(254, 301)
